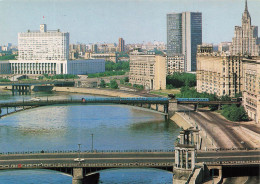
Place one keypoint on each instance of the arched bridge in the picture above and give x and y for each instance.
(141, 101)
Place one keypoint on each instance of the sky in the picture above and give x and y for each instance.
(104, 21)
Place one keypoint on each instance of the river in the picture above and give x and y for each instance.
(114, 127)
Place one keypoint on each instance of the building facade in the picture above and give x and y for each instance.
(83, 67)
(219, 74)
(245, 41)
(5, 67)
(43, 45)
(184, 33)
(175, 63)
(148, 70)
(106, 56)
(121, 45)
(47, 52)
(38, 67)
(251, 88)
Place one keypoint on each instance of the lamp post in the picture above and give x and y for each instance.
(79, 151)
(92, 141)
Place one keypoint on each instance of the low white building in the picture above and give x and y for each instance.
(76, 67)
(83, 67)
(38, 67)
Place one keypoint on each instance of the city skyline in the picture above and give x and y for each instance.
(135, 21)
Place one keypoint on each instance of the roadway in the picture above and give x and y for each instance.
(219, 129)
(125, 157)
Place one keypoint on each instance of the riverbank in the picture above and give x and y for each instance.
(96, 91)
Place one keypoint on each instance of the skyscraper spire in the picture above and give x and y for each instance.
(246, 16)
(246, 9)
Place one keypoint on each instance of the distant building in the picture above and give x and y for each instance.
(218, 74)
(251, 92)
(121, 45)
(47, 52)
(224, 46)
(245, 41)
(148, 70)
(184, 33)
(106, 56)
(94, 48)
(83, 67)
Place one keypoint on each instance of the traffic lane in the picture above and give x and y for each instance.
(126, 155)
(146, 159)
(227, 159)
(228, 153)
(86, 155)
(88, 161)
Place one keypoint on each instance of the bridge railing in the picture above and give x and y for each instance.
(242, 162)
(231, 149)
(91, 100)
(87, 151)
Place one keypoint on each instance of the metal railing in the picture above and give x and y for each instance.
(88, 151)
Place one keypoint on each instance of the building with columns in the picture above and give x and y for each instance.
(245, 41)
(47, 52)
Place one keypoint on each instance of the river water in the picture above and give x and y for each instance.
(114, 127)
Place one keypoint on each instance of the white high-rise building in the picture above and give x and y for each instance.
(47, 52)
(184, 33)
(43, 45)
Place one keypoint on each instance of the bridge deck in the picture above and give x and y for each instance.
(79, 101)
(122, 159)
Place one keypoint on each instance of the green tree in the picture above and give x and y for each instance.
(126, 79)
(102, 84)
(234, 113)
(113, 84)
(177, 80)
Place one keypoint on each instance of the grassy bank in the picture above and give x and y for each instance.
(165, 92)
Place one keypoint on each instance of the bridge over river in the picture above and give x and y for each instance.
(79, 164)
(146, 102)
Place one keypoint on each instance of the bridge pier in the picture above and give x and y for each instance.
(21, 89)
(184, 156)
(219, 107)
(196, 107)
(78, 176)
(166, 108)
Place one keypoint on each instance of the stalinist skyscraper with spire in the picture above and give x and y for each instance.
(245, 41)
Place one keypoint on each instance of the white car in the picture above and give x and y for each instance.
(36, 99)
(78, 159)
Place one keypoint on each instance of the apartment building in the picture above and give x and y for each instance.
(251, 89)
(218, 74)
(148, 70)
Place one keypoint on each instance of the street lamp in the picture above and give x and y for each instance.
(79, 151)
(92, 141)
